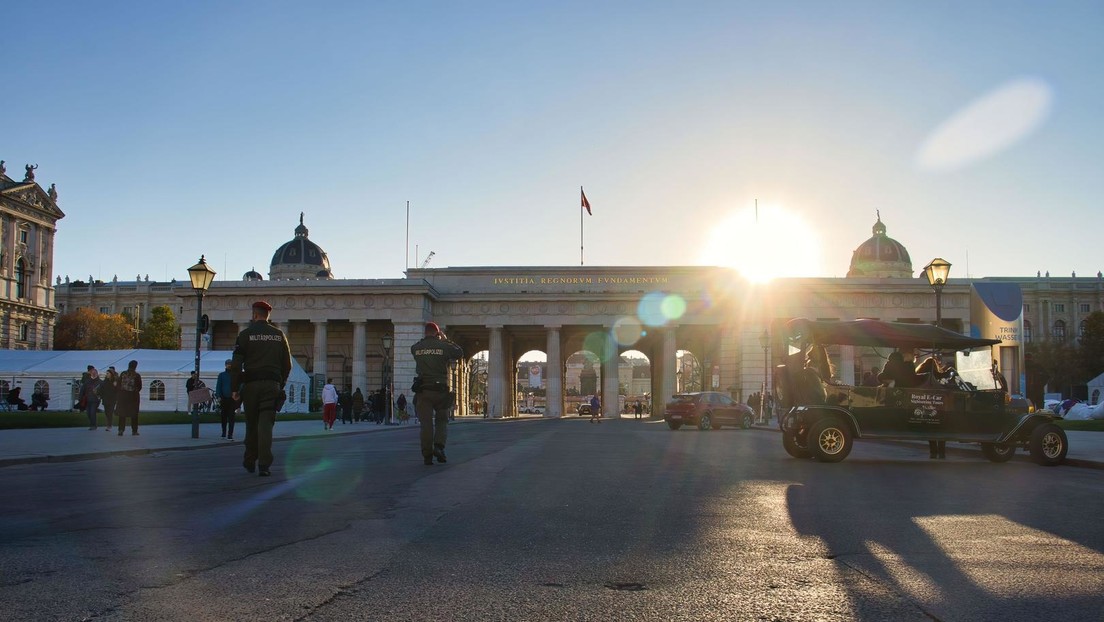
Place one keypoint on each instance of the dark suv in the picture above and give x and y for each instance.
(966, 403)
(706, 410)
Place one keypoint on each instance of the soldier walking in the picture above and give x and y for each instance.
(432, 400)
(261, 365)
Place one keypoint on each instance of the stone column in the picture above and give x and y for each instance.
(554, 388)
(320, 349)
(847, 365)
(360, 354)
(611, 404)
(667, 383)
(497, 375)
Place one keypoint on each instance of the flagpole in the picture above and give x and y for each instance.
(408, 235)
(580, 227)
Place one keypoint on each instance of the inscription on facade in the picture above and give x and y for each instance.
(580, 280)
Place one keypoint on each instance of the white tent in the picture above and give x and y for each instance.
(1096, 390)
(164, 373)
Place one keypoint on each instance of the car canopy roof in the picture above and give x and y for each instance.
(881, 334)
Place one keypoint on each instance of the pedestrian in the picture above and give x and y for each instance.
(260, 367)
(90, 396)
(400, 406)
(595, 409)
(484, 409)
(638, 409)
(329, 404)
(358, 405)
(371, 406)
(345, 402)
(109, 393)
(432, 356)
(130, 397)
(224, 391)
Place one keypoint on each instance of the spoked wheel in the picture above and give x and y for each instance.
(830, 440)
(1049, 445)
(998, 452)
(705, 422)
(745, 422)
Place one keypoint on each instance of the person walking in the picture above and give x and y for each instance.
(258, 376)
(400, 407)
(358, 405)
(130, 397)
(224, 391)
(345, 402)
(329, 404)
(432, 402)
(109, 393)
(90, 396)
(595, 410)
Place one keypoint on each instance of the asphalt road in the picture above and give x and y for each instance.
(552, 520)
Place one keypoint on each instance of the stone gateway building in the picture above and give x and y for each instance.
(28, 221)
(359, 331)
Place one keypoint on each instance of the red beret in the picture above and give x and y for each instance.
(260, 304)
(432, 329)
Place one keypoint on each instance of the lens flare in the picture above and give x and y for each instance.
(673, 306)
(650, 309)
(595, 343)
(627, 331)
(325, 478)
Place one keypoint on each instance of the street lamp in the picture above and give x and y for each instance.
(936, 272)
(201, 275)
(764, 340)
(387, 340)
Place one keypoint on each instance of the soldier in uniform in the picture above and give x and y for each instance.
(432, 400)
(260, 367)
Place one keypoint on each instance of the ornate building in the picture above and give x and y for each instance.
(28, 221)
(359, 331)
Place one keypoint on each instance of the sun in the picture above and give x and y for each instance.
(779, 244)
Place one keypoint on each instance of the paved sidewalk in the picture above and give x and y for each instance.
(70, 444)
(1086, 448)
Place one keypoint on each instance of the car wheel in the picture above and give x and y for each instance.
(745, 421)
(705, 421)
(1048, 445)
(830, 440)
(794, 447)
(674, 425)
(998, 452)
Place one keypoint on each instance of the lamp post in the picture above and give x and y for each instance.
(201, 276)
(387, 341)
(936, 272)
(764, 340)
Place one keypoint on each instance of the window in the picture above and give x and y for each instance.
(20, 279)
(157, 391)
(1059, 307)
(1060, 331)
(24, 332)
(1027, 308)
(303, 394)
(22, 236)
(43, 387)
(105, 310)
(1027, 331)
(291, 394)
(1084, 307)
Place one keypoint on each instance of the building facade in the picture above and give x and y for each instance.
(28, 222)
(723, 327)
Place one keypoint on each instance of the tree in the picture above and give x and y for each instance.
(1057, 366)
(161, 332)
(1092, 346)
(85, 329)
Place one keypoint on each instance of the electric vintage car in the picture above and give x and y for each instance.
(966, 404)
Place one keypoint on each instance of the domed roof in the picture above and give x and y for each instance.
(252, 275)
(880, 257)
(299, 258)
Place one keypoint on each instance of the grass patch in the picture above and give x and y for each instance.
(25, 419)
(1091, 425)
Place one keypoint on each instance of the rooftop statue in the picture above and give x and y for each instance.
(30, 172)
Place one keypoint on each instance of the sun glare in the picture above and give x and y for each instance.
(780, 244)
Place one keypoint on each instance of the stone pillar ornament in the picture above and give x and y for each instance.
(667, 383)
(498, 375)
(554, 393)
(319, 367)
(611, 362)
(360, 352)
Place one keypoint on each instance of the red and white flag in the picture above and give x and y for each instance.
(585, 203)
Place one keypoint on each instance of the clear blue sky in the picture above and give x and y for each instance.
(175, 129)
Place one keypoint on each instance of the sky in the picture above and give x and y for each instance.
(173, 130)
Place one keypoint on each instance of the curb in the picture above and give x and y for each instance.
(47, 459)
